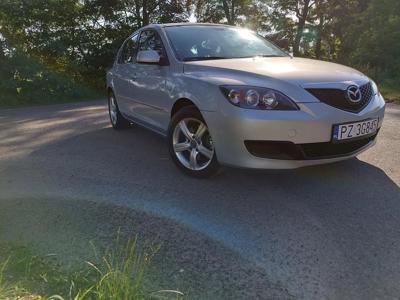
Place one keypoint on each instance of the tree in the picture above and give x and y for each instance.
(217, 11)
(80, 37)
(373, 39)
(208, 11)
(320, 11)
(67, 42)
(302, 9)
(230, 11)
(295, 13)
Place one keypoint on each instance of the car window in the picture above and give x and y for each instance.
(150, 40)
(129, 50)
(217, 42)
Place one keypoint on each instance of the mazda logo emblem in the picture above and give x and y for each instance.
(354, 94)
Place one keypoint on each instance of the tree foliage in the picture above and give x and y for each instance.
(53, 47)
(374, 39)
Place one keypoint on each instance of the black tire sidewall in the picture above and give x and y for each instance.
(121, 122)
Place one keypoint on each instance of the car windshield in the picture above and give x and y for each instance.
(191, 43)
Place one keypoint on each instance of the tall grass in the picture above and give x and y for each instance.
(117, 273)
(6, 290)
(120, 273)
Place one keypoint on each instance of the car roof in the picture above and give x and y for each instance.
(184, 25)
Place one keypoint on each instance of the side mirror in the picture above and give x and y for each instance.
(291, 52)
(148, 57)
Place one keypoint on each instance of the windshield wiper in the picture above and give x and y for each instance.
(268, 55)
(196, 58)
(204, 58)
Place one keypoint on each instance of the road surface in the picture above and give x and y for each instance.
(326, 232)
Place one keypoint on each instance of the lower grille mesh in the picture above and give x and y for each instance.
(322, 150)
(291, 151)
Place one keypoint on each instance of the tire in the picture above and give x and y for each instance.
(190, 144)
(116, 118)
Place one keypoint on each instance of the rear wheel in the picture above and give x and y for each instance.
(116, 118)
(191, 145)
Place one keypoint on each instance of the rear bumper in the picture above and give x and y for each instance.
(305, 135)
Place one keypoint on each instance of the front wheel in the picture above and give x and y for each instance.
(116, 118)
(191, 145)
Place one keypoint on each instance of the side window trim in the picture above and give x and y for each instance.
(140, 39)
(120, 52)
(122, 48)
(134, 55)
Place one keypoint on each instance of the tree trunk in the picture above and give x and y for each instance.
(232, 12)
(318, 45)
(2, 49)
(299, 35)
(138, 17)
(300, 27)
(145, 19)
(230, 17)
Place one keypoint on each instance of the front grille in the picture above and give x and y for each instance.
(337, 98)
(291, 151)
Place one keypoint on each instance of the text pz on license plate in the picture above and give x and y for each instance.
(354, 130)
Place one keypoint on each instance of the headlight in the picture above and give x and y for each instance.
(252, 98)
(375, 88)
(257, 98)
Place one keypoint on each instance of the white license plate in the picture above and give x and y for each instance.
(355, 130)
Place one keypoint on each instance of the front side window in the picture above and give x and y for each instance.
(218, 42)
(129, 50)
(150, 40)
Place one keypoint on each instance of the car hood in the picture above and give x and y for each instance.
(292, 76)
(298, 71)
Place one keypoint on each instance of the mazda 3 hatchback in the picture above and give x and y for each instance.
(226, 96)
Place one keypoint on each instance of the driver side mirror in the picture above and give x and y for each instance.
(148, 57)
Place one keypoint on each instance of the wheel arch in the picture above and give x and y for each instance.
(181, 103)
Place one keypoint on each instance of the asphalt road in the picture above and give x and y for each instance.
(326, 232)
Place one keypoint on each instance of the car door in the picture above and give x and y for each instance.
(151, 96)
(124, 75)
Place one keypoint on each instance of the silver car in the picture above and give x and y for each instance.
(226, 96)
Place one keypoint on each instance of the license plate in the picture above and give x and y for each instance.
(355, 130)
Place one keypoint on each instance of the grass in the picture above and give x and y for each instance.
(391, 94)
(10, 100)
(6, 290)
(117, 273)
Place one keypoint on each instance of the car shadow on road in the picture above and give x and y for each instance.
(140, 156)
(135, 158)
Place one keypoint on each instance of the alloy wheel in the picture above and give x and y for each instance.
(192, 144)
(113, 110)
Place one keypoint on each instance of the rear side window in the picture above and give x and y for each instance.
(129, 50)
(150, 40)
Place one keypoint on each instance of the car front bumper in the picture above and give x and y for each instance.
(231, 126)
